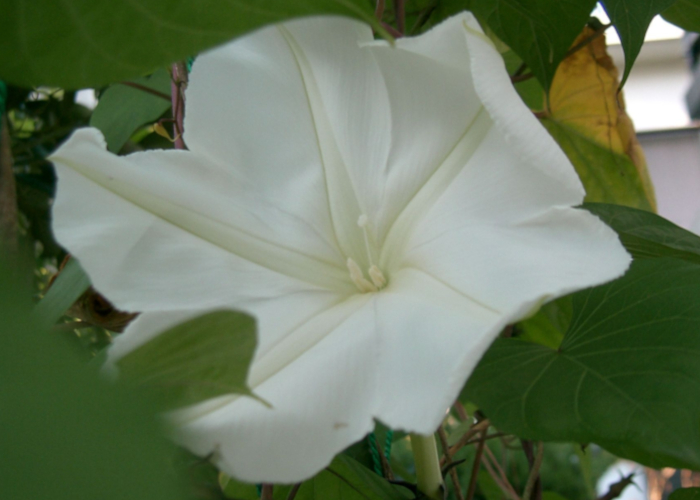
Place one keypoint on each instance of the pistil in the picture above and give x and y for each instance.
(378, 280)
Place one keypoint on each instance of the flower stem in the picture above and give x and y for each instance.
(178, 86)
(428, 473)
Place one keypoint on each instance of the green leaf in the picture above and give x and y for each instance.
(123, 109)
(347, 479)
(631, 19)
(539, 32)
(69, 285)
(488, 487)
(83, 43)
(547, 327)
(608, 177)
(237, 490)
(685, 494)
(625, 377)
(448, 8)
(199, 359)
(64, 433)
(647, 235)
(685, 14)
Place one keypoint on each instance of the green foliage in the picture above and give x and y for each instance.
(685, 494)
(608, 177)
(64, 433)
(344, 478)
(448, 8)
(202, 358)
(38, 121)
(347, 479)
(539, 32)
(488, 487)
(625, 376)
(122, 109)
(81, 43)
(685, 14)
(243, 491)
(70, 284)
(631, 19)
(646, 235)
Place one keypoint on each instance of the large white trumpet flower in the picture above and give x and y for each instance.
(384, 211)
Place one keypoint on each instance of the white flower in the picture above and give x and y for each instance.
(383, 211)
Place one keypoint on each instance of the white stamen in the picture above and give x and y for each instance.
(362, 222)
(358, 278)
(377, 277)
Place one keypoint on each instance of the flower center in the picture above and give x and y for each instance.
(376, 280)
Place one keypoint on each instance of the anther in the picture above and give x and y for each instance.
(358, 278)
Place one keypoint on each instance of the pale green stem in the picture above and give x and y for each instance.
(428, 473)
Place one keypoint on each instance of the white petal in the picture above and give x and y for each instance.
(167, 230)
(295, 119)
(322, 392)
(513, 267)
(433, 107)
(521, 130)
(431, 337)
(247, 111)
(517, 149)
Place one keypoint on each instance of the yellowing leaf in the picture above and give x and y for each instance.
(584, 102)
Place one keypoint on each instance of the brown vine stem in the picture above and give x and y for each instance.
(266, 493)
(293, 492)
(379, 11)
(178, 86)
(391, 30)
(386, 467)
(147, 89)
(476, 466)
(498, 475)
(8, 191)
(535, 489)
(476, 440)
(461, 411)
(473, 431)
(448, 460)
(400, 10)
(521, 78)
